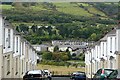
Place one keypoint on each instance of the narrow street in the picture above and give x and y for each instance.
(61, 78)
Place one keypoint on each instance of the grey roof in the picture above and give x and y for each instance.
(104, 38)
(7, 24)
(16, 32)
(113, 32)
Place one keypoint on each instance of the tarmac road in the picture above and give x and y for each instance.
(60, 78)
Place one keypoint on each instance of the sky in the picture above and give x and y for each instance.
(60, 0)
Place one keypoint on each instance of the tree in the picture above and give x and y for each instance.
(64, 57)
(34, 28)
(23, 28)
(47, 55)
(56, 49)
(93, 36)
(17, 28)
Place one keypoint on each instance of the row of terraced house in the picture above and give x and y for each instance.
(17, 56)
(105, 53)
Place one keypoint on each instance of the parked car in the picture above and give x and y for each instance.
(34, 75)
(78, 76)
(48, 74)
(106, 74)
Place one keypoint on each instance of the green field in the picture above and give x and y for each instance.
(95, 11)
(37, 8)
(68, 8)
(6, 7)
(72, 9)
(60, 70)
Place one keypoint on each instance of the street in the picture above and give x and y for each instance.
(60, 78)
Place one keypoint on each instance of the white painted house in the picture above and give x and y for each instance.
(105, 54)
(1, 44)
(17, 56)
(111, 48)
(7, 50)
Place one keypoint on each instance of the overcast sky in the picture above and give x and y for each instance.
(60, 0)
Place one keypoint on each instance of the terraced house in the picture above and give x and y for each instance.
(104, 54)
(17, 56)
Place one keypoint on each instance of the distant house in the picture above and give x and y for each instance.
(51, 49)
(41, 47)
(63, 49)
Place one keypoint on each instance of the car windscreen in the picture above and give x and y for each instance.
(108, 72)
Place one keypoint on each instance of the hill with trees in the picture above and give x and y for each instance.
(45, 21)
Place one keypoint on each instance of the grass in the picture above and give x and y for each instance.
(68, 8)
(73, 9)
(95, 11)
(60, 70)
(38, 7)
(6, 7)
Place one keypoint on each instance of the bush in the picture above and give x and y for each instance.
(46, 62)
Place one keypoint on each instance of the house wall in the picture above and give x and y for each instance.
(17, 45)
(1, 61)
(16, 67)
(109, 53)
(118, 49)
(1, 44)
(13, 53)
(7, 65)
(7, 47)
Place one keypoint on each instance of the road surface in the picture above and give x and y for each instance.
(60, 78)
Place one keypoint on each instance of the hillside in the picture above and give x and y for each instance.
(84, 21)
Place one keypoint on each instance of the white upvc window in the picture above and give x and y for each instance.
(26, 66)
(23, 48)
(111, 44)
(9, 38)
(8, 64)
(16, 44)
(115, 43)
(22, 66)
(103, 49)
(16, 65)
(4, 38)
(111, 64)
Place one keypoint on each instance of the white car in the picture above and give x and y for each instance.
(34, 74)
(47, 74)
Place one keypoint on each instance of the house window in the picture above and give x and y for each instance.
(9, 38)
(8, 64)
(22, 67)
(97, 66)
(16, 64)
(16, 44)
(115, 44)
(23, 48)
(111, 64)
(103, 50)
(111, 44)
(4, 39)
(26, 66)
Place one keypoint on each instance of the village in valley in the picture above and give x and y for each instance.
(59, 41)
